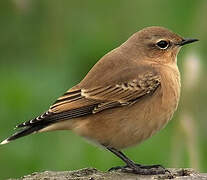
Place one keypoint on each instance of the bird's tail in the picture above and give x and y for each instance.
(23, 132)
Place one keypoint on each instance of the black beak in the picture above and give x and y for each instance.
(187, 41)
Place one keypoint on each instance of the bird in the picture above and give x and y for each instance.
(130, 94)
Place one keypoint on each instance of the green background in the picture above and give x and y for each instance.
(47, 46)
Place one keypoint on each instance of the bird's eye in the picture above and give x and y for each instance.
(162, 44)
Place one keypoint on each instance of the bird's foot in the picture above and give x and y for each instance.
(141, 169)
(120, 167)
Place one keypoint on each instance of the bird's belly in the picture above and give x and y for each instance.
(144, 122)
(127, 126)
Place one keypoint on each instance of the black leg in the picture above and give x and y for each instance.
(131, 167)
(128, 162)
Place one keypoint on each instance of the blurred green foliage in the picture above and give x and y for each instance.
(47, 46)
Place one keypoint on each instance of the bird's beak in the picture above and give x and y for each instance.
(187, 41)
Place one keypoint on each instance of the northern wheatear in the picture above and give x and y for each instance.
(129, 95)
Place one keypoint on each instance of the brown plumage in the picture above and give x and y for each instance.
(130, 94)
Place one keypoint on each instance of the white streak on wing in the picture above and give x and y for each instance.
(4, 142)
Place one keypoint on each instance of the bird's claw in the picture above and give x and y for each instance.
(141, 169)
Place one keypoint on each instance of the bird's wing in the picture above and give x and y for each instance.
(80, 101)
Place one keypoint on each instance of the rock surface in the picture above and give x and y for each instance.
(93, 174)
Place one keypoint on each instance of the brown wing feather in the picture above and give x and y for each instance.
(79, 101)
(125, 92)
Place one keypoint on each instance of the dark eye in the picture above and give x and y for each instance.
(162, 44)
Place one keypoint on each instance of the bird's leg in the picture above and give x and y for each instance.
(131, 167)
(128, 162)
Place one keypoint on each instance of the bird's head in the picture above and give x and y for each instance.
(157, 44)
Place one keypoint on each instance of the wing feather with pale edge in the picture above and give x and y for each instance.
(80, 102)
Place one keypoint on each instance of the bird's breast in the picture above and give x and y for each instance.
(165, 100)
(155, 111)
(170, 87)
